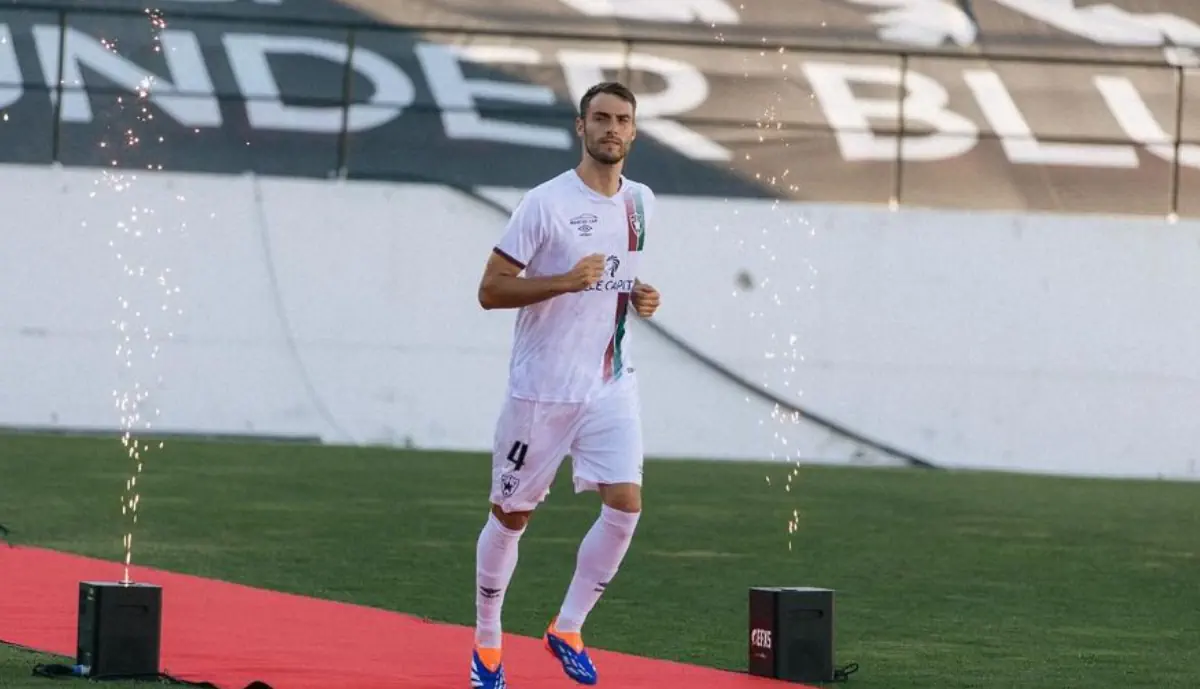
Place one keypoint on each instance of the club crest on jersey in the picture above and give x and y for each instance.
(635, 223)
(636, 215)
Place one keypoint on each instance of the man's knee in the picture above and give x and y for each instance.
(515, 521)
(625, 497)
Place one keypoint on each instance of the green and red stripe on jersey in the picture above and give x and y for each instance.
(613, 359)
(636, 215)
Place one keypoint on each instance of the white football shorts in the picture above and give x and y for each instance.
(603, 437)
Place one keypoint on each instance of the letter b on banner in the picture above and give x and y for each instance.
(925, 102)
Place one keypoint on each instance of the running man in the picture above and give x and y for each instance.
(571, 389)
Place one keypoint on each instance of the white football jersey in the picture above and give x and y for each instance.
(568, 347)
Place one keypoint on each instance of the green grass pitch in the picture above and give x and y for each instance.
(945, 579)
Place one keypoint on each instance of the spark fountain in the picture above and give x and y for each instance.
(120, 623)
(791, 628)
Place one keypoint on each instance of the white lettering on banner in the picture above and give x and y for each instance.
(191, 100)
(455, 95)
(185, 92)
(930, 23)
(927, 23)
(10, 70)
(850, 115)
(248, 57)
(1019, 141)
(1138, 122)
(1109, 25)
(677, 11)
(187, 95)
(686, 90)
(926, 101)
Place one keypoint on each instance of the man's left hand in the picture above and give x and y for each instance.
(645, 299)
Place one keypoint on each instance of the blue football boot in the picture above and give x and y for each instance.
(568, 649)
(487, 675)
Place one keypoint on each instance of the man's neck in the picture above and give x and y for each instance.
(603, 179)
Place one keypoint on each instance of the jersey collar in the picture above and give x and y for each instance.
(597, 196)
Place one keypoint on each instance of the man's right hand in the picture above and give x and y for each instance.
(585, 273)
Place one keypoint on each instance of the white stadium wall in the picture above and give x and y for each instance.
(347, 312)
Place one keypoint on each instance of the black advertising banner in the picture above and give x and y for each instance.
(259, 85)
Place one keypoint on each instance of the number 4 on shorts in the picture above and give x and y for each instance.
(516, 455)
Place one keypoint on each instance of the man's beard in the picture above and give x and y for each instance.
(605, 157)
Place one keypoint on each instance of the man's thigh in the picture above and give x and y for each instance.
(530, 442)
(608, 448)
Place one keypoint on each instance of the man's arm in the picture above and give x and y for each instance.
(502, 287)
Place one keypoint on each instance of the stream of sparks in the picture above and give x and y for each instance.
(146, 301)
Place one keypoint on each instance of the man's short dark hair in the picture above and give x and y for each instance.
(613, 88)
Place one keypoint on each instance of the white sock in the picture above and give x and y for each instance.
(495, 562)
(600, 555)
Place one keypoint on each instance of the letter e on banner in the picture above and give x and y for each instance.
(456, 94)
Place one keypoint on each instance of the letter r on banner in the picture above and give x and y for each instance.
(686, 90)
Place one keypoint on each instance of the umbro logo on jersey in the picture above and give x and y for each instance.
(584, 223)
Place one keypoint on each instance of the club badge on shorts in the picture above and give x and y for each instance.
(508, 484)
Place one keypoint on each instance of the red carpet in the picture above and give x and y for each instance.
(232, 635)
